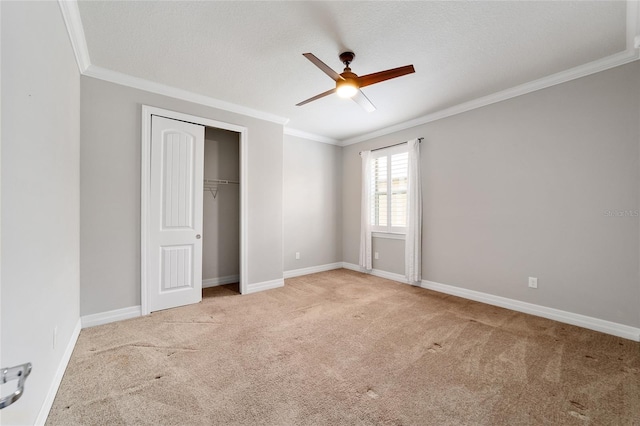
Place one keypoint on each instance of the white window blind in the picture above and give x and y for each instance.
(389, 190)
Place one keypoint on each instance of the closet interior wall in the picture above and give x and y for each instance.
(221, 215)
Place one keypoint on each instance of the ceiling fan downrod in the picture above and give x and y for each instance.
(346, 58)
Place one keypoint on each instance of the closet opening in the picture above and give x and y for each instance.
(193, 211)
(221, 213)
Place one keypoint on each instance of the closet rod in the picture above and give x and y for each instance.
(389, 146)
(222, 181)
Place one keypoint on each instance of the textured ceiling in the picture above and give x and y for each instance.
(250, 53)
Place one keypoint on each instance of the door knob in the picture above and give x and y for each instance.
(198, 237)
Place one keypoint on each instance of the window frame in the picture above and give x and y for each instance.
(387, 231)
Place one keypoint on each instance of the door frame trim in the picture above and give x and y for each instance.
(145, 190)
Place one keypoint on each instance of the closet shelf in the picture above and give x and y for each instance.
(222, 181)
(211, 185)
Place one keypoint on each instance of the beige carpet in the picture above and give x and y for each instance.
(341, 347)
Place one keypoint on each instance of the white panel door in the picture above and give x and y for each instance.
(175, 214)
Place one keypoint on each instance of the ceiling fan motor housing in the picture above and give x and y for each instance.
(349, 85)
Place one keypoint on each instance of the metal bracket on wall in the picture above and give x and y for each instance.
(20, 373)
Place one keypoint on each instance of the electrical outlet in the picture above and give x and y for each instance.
(55, 336)
(533, 282)
(297, 255)
(376, 255)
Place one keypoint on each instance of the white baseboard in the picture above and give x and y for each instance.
(389, 275)
(111, 316)
(608, 327)
(265, 285)
(57, 379)
(312, 270)
(353, 267)
(613, 328)
(377, 272)
(213, 282)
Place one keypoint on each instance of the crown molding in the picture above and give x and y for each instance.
(71, 15)
(629, 55)
(73, 22)
(173, 92)
(311, 136)
(542, 83)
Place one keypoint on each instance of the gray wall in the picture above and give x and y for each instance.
(221, 215)
(110, 192)
(312, 203)
(522, 188)
(390, 255)
(40, 198)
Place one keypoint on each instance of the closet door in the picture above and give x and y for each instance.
(175, 220)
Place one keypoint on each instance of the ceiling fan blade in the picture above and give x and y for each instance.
(321, 95)
(363, 101)
(377, 77)
(324, 67)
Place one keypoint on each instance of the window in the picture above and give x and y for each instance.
(389, 190)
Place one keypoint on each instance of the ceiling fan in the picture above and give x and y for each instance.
(348, 84)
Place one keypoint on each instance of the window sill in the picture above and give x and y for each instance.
(388, 235)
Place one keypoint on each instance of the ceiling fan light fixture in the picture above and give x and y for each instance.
(346, 88)
(348, 84)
